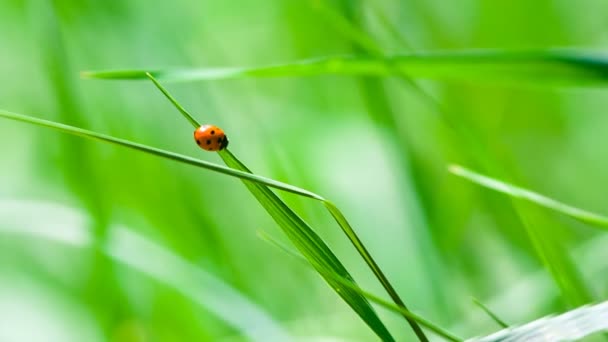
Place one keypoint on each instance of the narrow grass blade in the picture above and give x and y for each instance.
(158, 152)
(558, 67)
(521, 193)
(311, 246)
(179, 107)
(307, 241)
(352, 236)
(263, 195)
(386, 304)
(490, 313)
(570, 326)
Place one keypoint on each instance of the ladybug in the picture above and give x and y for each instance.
(210, 138)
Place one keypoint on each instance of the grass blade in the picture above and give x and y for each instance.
(558, 67)
(158, 152)
(311, 246)
(263, 195)
(530, 196)
(490, 313)
(386, 304)
(309, 243)
(179, 107)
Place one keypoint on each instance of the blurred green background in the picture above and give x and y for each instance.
(102, 243)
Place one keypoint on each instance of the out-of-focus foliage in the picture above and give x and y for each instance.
(375, 147)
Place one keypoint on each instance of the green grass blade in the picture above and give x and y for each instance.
(376, 299)
(264, 194)
(490, 313)
(360, 247)
(312, 247)
(160, 153)
(307, 241)
(179, 107)
(558, 67)
(521, 193)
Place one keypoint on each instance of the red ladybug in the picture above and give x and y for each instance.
(210, 138)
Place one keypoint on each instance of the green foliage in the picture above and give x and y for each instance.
(365, 102)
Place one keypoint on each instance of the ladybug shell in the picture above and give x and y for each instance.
(210, 138)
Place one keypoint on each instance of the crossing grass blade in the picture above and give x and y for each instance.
(303, 237)
(376, 299)
(530, 196)
(311, 246)
(537, 67)
(490, 313)
(265, 196)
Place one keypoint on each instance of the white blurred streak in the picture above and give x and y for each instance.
(66, 225)
(159, 263)
(572, 325)
(31, 312)
(46, 220)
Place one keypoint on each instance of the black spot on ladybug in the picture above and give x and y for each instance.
(208, 142)
(198, 142)
(212, 132)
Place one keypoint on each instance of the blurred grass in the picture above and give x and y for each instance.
(530, 196)
(540, 68)
(307, 131)
(490, 313)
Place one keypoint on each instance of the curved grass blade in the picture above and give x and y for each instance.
(309, 243)
(490, 313)
(530, 196)
(264, 194)
(159, 152)
(546, 67)
(386, 304)
(352, 236)
(570, 326)
(312, 247)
